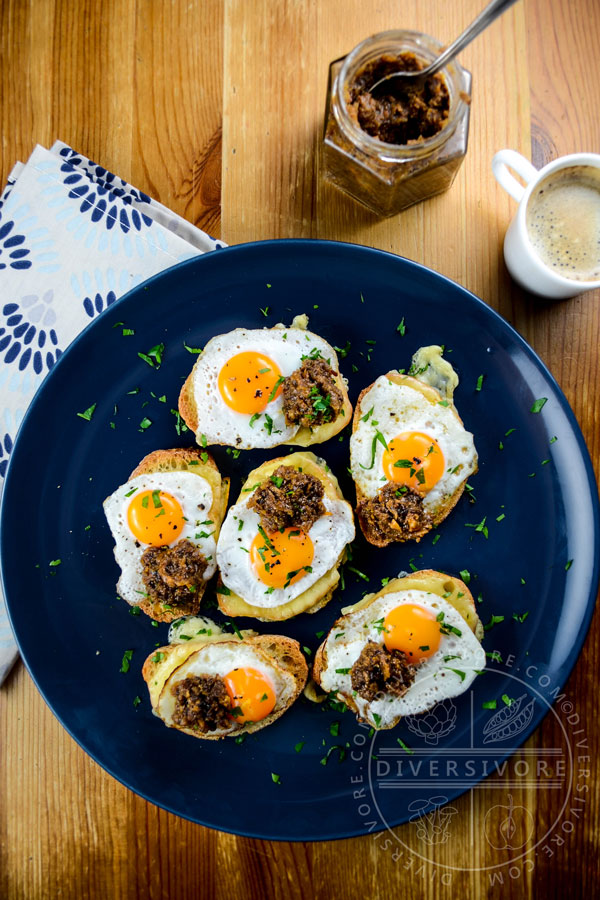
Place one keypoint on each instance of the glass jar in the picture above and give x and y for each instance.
(390, 177)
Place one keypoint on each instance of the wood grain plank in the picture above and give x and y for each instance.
(178, 107)
(139, 87)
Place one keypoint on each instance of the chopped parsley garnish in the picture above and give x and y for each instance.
(445, 628)
(359, 573)
(500, 517)
(343, 351)
(145, 423)
(443, 403)
(342, 671)
(264, 311)
(126, 660)
(377, 719)
(136, 702)
(494, 655)
(568, 565)
(368, 415)
(192, 349)
(128, 331)
(458, 672)
(154, 356)
(254, 419)
(495, 620)
(298, 747)
(538, 405)
(277, 480)
(465, 575)
(481, 526)
(520, 618)
(55, 562)
(315, 353)
(489, 704)
(274, 777)
(378, 437)
(179, 423)
(89, 412)
(404, 746)
(321, 404)
(401, 327)
(508, 700)
(276, 386)
(268, 423)
(479, 382)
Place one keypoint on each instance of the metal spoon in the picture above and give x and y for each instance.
(485, 18)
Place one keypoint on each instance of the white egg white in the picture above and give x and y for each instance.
(216, 420)
(398, 409)
(220, 659)
(194, 495)
(329, 535)
(447, 673)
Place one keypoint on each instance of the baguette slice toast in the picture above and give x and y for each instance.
(200, 463)
(451, 589)
(304, 437)
(164, 667)
(321, 592)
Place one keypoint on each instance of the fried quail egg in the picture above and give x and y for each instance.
(236, 384)
(413, 438)
(434, 637)
(158, 510)
(268, 570)
(255, 686)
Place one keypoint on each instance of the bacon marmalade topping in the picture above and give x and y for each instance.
(288, 499)
(201, 703)
(172, 575)
(311, 396)
(395, 514)
(379, 670)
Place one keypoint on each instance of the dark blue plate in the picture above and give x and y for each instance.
(537, 496)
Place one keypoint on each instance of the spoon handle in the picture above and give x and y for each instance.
(485, 18)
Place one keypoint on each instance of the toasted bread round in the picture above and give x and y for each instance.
(451, 589)
(304, 437)
(201, 463)
(434, 397)
(160, 671)
(319, 594)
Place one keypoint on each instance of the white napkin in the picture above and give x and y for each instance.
(73, 238)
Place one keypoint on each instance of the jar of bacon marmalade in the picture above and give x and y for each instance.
(393, 146)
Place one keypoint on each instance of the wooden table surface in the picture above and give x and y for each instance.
(215, 109)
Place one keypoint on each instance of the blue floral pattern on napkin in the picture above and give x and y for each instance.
(73, 238)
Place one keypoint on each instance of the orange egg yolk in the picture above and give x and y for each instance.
(412, 629)
(414, 459)
(249, 381)
(252, 694)
(282, 557)
(155, 518)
